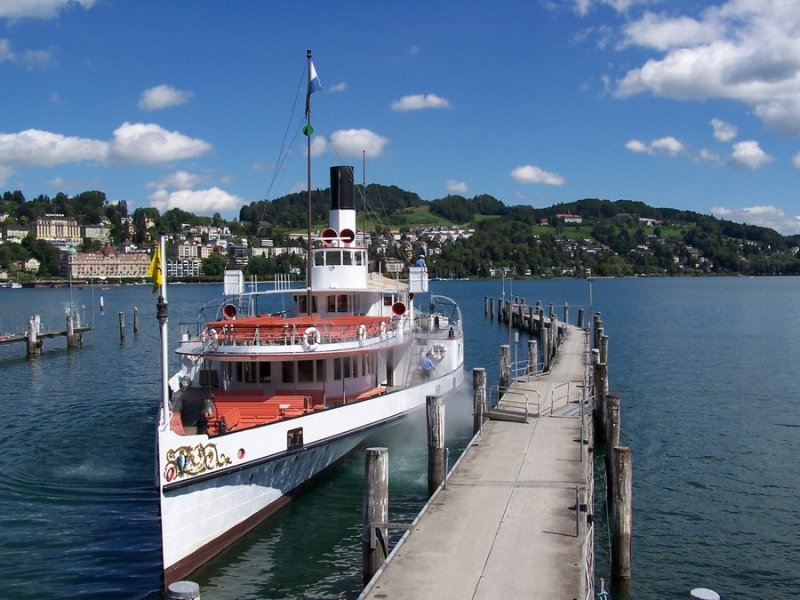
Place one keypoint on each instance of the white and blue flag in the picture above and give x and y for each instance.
(313, 86)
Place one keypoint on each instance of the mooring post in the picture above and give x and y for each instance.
(603, 348)
(478, 399)
(622, 514)
(491, 309)
(531, 321)
(34, 343)
(183, 590)
(543, 336)
(553, 335)
(122, 325)
(505, 367)
(374, 532)
(566, 312)
(135, 319)
(533, 356)
(599, 397)
(612, 438)
(580, 318)
(436, 473)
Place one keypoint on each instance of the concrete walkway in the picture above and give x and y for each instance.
(505, 526)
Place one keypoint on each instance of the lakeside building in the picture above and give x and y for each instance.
(58, 230)
(107, 263)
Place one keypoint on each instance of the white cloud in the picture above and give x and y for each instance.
(665, 145)
(30, 59)
(419, 102)
(662, 33)
(457, 187)
(708, 156)
(198, 202)
(36, 147)
(163, 96)
(533, 174)
(668, 144)
(764, 216)
(149, 143)
(338, 87)
(319, 145)
(796, 160)
(582, 7)
(637, 146)
(132, 143)
(743, 50)
(38, 9)
(723, 131)
(352, 142)
(748, 154)
(179, 180)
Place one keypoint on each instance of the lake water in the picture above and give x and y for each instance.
(706, 370)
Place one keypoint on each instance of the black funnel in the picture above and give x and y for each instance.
(342, 188)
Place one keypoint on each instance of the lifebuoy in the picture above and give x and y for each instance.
(362, 332)
(311, 339)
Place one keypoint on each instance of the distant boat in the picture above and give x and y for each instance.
(12, 285)
(277, 386)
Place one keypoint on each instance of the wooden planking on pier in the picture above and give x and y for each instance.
(511, 521)
(23, 337)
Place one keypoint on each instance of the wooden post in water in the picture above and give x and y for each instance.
(491, 309)
(122, 325)
(580, 318)
(544, 338)
(478, 399)
(485, 306)
(374, 533)
(505, 368)
(603, 349)
(183, 590)
(622, 510)
(73, 339)
(566, 312)
(554, 335)
(135, 319)
(533, 356)
(436, 466)
(531, 321)
(520, 320)
(599, 397)
(34, 343)
(612, 439)
(499, 311)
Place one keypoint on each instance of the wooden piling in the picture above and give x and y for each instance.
(603, 347)
(622, 510)
(533, 356)
(34, 343)
(183, 590)
(491, 309)
(531, 321)
(580, 318)
(436, 466)
(374, 532)
(505, 367)
(135, 319)
(122, 325)
(612, 439)
(566, 312)
(600, 371)
(478, 399)
(543, 342)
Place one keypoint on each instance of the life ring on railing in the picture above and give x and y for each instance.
(362, 332)
(311, 339)
(383, 330)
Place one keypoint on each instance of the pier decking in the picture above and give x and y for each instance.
(512, 520)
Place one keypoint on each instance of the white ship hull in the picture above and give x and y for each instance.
(227, 501)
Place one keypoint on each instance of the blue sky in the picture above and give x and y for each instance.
(681, 104)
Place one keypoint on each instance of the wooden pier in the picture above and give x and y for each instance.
(35, 335)
(514, 519)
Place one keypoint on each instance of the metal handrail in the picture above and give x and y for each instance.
(553, 394)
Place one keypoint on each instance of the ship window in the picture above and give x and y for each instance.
(364, 361)
(287, 369)
(347, 257)
(359, 258)
(302, 303)
(305, 371)
(294, 438)
(388, 300)
(346, 367)
(342, 304)
(265, 372)
(249, 372)
(355, 366)
(320, 370)
(331, 304)
(334, 257)
(337, 368)
(319, 259)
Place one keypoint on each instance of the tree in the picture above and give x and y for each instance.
(214, 265)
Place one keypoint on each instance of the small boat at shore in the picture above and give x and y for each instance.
(276, 386)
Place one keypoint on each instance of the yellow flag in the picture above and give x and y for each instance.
(154, 270)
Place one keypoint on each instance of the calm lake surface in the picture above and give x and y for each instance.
(706, 368)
